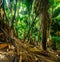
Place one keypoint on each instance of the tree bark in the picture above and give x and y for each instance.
(45, 19)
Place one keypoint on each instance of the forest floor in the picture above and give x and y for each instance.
(30, 53)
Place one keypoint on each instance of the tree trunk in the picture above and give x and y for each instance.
(45, 19)
(12, 21)
(44, 39)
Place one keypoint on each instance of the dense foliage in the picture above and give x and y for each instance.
(25, 16)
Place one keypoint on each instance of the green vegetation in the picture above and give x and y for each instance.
(30, 30)
(25, 18)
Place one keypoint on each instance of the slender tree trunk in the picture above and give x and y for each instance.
(45, 18)
(13, 19)
(44, 36)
